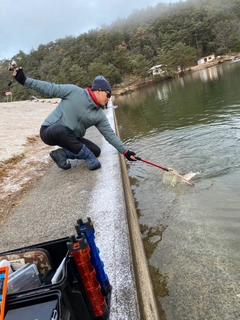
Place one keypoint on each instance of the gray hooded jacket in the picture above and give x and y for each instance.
(76, 110)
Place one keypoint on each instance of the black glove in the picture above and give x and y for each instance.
(20, 76)
(128, 154)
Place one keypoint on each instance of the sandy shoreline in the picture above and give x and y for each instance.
(24, 157)
(19, 120)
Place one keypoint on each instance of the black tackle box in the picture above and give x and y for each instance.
(41, 306)
(66, 291)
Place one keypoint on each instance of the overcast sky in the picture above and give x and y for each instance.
(25, 24)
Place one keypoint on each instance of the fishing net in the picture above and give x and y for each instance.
(169, 178)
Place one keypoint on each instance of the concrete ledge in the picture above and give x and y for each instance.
(147, 301)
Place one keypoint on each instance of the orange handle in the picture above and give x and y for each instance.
(3, 290)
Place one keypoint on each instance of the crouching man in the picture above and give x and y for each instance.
(78, 110)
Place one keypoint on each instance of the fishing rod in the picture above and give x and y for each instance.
(11, 67)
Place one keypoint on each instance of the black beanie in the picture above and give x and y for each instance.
(101, 84)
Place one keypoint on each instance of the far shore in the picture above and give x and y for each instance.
(140, 83)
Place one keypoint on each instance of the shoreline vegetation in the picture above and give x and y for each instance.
(131, 85)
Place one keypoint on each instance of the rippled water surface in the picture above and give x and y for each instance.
(191, 234)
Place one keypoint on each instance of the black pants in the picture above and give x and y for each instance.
(57, 135)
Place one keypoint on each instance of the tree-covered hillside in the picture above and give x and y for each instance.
(176, 34)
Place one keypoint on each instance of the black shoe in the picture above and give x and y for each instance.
(60, 157)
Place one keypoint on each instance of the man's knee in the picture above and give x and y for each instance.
(97, 152)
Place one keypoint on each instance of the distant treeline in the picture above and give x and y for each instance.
(175, 34)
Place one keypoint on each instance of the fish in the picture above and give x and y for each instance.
(190, 175)
(110, 103)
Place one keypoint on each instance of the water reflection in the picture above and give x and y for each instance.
(169, 106)
(163, 91)
(210, 74)
(190, 234)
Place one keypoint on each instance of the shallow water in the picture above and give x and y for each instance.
(191, 234)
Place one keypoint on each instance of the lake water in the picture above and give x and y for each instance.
(191, 234)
